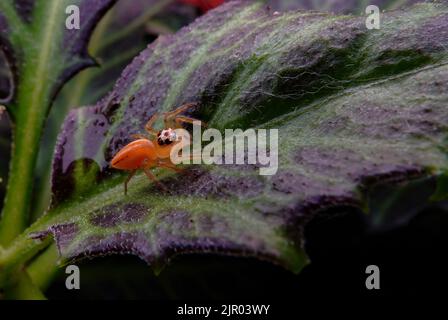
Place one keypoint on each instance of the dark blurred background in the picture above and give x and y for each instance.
(411, 259)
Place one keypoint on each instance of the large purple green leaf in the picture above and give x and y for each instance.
(42, 54)
(354, 108)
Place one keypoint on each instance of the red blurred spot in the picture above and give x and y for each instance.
(204, 5)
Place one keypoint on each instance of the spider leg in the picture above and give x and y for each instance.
(131, 174)
(182, 119)
(139, 136)
(181, 109)
(149, 124)
(168, 165)
(154, 179)
(169, 116)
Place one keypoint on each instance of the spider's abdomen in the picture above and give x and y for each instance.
(135, 155)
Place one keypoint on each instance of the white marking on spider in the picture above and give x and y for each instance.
(166, 136)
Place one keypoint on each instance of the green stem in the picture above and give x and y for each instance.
(15, 211)
(14, 257)
(32, 102)
(44, 268)
(22, 250)
(24, 289)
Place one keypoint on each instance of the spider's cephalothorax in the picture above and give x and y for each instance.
(166, 137)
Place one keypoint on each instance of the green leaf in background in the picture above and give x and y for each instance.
(354, 107)
(43, 54)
